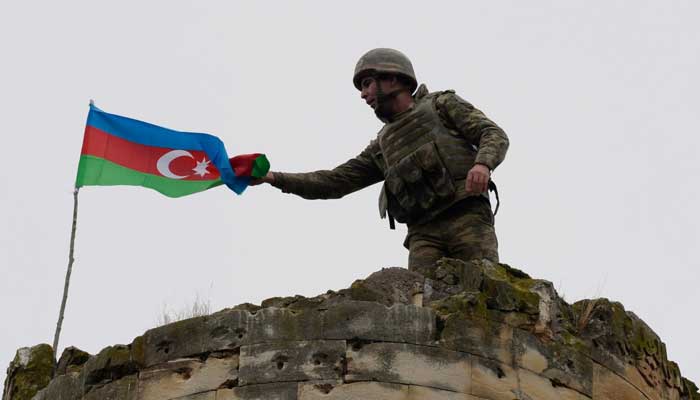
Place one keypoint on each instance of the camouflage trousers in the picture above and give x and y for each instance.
(464, 231)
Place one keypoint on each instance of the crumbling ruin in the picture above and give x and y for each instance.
(464, 331)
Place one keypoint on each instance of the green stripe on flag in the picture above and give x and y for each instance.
(261, 166)
(98, 171)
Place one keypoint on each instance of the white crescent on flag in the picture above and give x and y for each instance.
(163, 163)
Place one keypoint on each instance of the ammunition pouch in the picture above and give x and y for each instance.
(418, 183)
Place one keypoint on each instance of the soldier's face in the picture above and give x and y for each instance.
(368, 91)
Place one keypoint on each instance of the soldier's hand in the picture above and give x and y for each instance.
(268, 178)
(478, 179)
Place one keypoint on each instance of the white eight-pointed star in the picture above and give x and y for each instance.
(201, 168)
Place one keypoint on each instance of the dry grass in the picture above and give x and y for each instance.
(586, 314)
(198, 308)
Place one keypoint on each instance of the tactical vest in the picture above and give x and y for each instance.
(426, 164)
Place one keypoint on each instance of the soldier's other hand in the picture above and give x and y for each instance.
(478, 179)
(268, 178)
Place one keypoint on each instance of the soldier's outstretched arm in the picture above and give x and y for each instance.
(346, 178)
(268, 178)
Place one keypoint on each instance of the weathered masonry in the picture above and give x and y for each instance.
(462, 331)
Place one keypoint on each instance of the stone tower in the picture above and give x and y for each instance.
(463, 331)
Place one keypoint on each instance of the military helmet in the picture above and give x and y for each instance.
(387, 61)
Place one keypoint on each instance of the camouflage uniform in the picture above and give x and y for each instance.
(463, 227)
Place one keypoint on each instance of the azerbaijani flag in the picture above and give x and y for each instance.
(124, 151)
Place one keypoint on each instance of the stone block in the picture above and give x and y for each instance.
(71, 360)
(269, 391)
(409, 364)
(110, 364)
(530, 358)
(427, 393)
(195, 396)
(291, 361)
(228, 329)
(493, 380)
(125, 388)
(503, 295)
(283, 324)
(559, 362)
(225, 330)
(602, 355)
(443, 278)
(689, 391)
(482, 337)
(607, 385)
(534, 386)
(376, 390)
(353, 391)
(187, 376)
(65, 387)
(622, 338)
(372, 321)
(388, 286)
(653, 389)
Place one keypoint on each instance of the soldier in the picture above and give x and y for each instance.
(435, 155)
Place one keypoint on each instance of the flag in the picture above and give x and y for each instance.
(123, 151)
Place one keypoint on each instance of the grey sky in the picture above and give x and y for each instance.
(599, 189)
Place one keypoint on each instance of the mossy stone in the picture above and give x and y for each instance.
(29, 372)
(71, 360)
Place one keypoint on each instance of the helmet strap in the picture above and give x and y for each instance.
(383, 110)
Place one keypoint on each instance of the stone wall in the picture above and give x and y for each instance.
(459, 331)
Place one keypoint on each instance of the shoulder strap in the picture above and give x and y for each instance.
(494, 189)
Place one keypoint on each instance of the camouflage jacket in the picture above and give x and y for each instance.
(365, 170)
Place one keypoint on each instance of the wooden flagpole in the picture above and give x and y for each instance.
(68, 272)
(59, 324)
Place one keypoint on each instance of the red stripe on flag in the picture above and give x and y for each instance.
(144, 158)
(243, 165)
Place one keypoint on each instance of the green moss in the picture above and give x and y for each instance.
(279, 302)
(640, 340)
(288, 326)
(524, 284)
(359, 291)
(138, 351)
(621, 333)
(691, 389)
(497, 272)
(575, 342)
(504, 296)
(292, 302)
(71, 361)
(621, 322)
(481, 308)
(507, 273)
(110, 364)
(462, 303)
(472, 309)
(251, 308)
(24, 381)
(514, 272)
(509, 289)
(643, 344)
(578, 307)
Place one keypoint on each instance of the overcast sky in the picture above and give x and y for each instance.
(599, 188)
